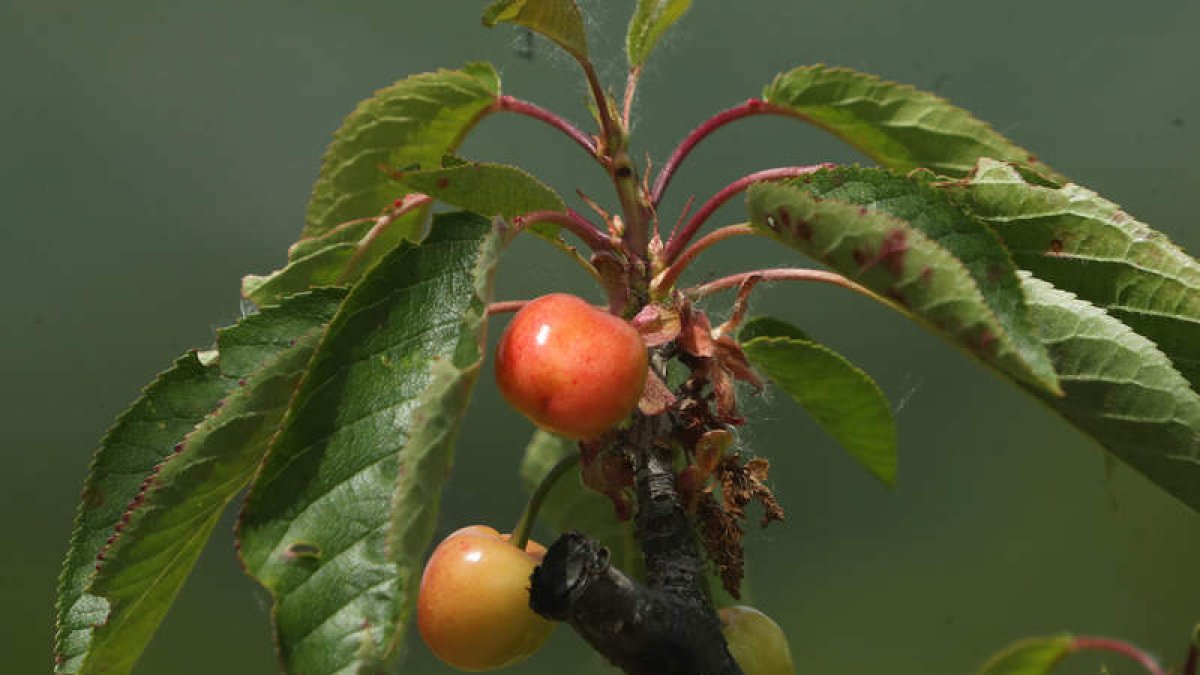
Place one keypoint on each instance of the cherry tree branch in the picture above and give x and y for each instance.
(681, 239)
(665, 627)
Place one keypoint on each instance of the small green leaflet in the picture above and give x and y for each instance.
(650, 20)
(844, 400)
(1085, 244)
(898, 126)
(1121, 390)
(164, 517)
(559, 20)
(906, 262)
(573, 506)
(343, 509)
(485, 188)
(1035, 656)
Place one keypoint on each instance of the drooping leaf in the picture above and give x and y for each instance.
(369, 431)
(559, 20)
(1035, 656)
(573, 506)
(964, 293)
(171, 520)
(142, 437)
(160, 514)
(1085, 244)
(650, 20)
(1121, 390)
(915, 201)
(485, 188)
(896, 125)
(844, 400)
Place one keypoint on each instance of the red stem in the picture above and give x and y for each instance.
(1118, 647)
(667, 277)
(751, 107)
(608, 125)
(631, 84)
(403, 206)
(782, 274)
(1193, 659)
(677, 242)
(537, 112)
(506, 306)
(571, 220)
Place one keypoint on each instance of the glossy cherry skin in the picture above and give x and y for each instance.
(473, 606)
(756, 642)
(569, 367)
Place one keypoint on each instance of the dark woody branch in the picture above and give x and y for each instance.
(665, 627)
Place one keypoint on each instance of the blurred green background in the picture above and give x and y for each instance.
(152, 153)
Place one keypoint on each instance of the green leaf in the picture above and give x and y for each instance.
(413, 123)
(150, 529)
(905, 241)
(485, 188)
(559, 20)
(571, 505)
(1121, 390)
(1085, 244)
(844, 400)
(1035, 656)
(325, 267)
(142, 437)
(650, 20)
(898, 126)
(369, 431)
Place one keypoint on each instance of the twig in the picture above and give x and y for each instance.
(676, 243)
(667, 277)
(751, 107)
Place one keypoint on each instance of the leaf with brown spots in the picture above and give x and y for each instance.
(1085, 244)
(907, 242)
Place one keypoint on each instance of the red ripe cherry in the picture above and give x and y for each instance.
(473, 606)
(569, 367)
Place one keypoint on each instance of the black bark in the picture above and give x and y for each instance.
(665, 627)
